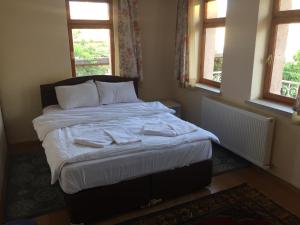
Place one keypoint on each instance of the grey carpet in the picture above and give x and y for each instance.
(29, 193)
(225, 161)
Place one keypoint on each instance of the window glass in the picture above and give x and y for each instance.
(289, 5)
(216, 9)
(92, 51)
(89, 10)
(286, 67)
(214, 47)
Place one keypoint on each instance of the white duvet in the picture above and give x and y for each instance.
(57, 129)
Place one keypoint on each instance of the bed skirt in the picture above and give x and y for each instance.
(107, 201)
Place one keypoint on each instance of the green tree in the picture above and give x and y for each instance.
(291, 70)
(218, 64)
(90, 51)
(91, 70)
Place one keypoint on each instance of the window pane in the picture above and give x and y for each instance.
(92, 51)
(216, 9)
(89, 10)
(213, 56)
(289, 5)
(286, 68)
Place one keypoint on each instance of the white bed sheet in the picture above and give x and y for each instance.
(89, 174)
(78, 168)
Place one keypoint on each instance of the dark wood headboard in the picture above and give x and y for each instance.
(48, 94)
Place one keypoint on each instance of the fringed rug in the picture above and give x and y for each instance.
(242, 205)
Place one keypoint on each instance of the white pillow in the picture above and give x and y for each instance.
(75, 96)
(112, 93)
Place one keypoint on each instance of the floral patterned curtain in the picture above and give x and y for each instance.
(182, 43)
(130, 55)
(297, 105)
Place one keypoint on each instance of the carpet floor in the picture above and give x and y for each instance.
(242, 205)
(29, 193)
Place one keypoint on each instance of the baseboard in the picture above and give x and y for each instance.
(24, 147)
(288, 185)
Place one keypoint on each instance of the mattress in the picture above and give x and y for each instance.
(95, 173)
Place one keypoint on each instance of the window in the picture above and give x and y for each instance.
(283, 62)
(212, 42)
(90, 27)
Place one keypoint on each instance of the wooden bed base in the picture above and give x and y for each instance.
(104, 202)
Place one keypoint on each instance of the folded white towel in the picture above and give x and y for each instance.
(160, 129)
(183, 128)
(122, 136)
(168, 130)
(95, 139)
(92, 143)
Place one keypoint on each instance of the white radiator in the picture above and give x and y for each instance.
(247, 134)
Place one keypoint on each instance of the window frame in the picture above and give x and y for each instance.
(208, 23)
(90, 24)
(278, 17)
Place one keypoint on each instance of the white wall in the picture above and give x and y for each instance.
(241, 26)
(158, 32)
(34, 50)
(245, 48)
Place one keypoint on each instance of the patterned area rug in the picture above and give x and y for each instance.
(29, 193)
(241, 205)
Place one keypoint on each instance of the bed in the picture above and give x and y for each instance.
(100, 187)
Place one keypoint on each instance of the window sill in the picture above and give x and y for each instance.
(208, 88)
(273, 106)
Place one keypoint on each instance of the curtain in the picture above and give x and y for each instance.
(296, 114)
(181, 43)
(297, 105)
(188, 31)
(129, 42)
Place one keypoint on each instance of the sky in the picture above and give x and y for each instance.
(89, 10)
(293, 43)
(219, 7)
